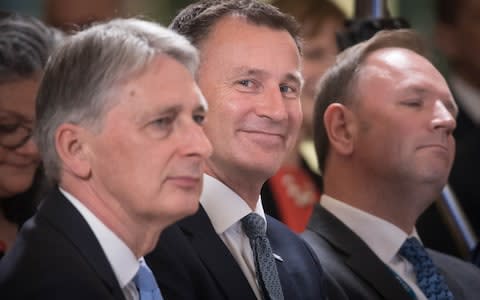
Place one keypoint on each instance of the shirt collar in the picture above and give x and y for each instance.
(383, 238)
(124, 263)
(223, 206)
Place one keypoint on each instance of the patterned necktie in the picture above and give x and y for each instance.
(430, 281)
(146, 283)
(254, 227)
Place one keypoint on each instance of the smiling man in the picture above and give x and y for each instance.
(119, 126)
(250, 73)
(384, 119)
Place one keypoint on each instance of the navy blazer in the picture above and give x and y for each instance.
(192, 262)
(57, 256)
(362, 275)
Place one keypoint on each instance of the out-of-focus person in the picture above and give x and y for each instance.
(290, 194)
(73, 15)
(384, 119)
(25, 45)
(457, 35)
(119, 127)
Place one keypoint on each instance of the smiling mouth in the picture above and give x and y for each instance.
(265, 133)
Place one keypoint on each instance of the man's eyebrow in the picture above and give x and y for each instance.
(255, 72)
(157, 111)
(200, 108)
(447, 100)
(243, 70)
(295, 77)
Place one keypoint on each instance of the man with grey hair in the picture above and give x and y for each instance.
(383, 127)
(119, 125)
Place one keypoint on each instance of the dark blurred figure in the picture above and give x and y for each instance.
(458, 37)
(25, 44)
(291, 193)
(70, 15)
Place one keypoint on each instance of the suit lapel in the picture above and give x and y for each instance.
(451, 281)
(216, 256)
(61, 214)
(357, 255)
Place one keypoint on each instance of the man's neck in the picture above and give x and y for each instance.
(247, 188)
(140, 236)
(397, 207)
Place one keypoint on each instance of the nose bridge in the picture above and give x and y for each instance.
(442, 117)
(272, 104)
(194, 140)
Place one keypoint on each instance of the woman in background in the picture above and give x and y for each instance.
(25, 44)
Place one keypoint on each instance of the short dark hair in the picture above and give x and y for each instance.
(337, 85)
(25, 45)
(196, 20)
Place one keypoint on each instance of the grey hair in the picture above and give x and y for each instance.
(25, 44)
(83, 73)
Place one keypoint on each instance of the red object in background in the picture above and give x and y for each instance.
(295, 193)
(3, 247)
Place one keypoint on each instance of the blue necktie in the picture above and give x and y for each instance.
(146, 283)
(430, 281)
(254, 227)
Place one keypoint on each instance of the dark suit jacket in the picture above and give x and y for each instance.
(192, 262)
(465, 175)
(362, 275)
(57, 256)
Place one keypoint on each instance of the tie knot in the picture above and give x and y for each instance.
(253, 226)
(144, 279)
(430, 281)
(414, 252)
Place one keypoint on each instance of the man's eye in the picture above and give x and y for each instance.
(248, 86)
(199, 119)
(289, 91)
(285, 89)
(163, 122)
(246, 82)
(413, 103)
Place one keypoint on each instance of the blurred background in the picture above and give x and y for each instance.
(73, 14)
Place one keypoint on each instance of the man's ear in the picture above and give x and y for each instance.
(340, 128)
(72, 147)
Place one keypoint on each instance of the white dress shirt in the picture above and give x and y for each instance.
(124, 263)
(225, 209)
(383, 238)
